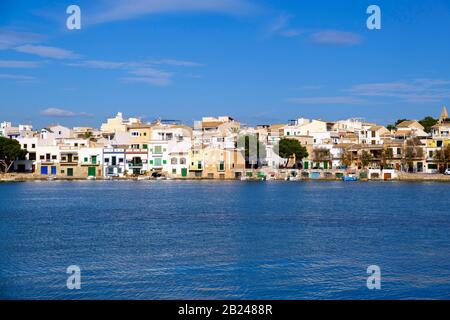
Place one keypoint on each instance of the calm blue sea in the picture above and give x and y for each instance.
(224, 240)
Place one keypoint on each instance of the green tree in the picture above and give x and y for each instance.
(427, 123)
(413, 151)
(10, 150)
(366, 158)
(254, 150)
(289, 147)
(390, 127)
(443, 156)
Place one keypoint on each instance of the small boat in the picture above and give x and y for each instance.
(51, 178)
(349, 177)
(91, 178)
(143, 178)
(244, 178)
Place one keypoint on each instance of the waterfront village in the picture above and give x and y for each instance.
(128, 148)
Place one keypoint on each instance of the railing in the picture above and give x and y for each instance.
(135, 164)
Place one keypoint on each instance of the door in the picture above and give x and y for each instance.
(306, 165)
(325, 165)
(53, 170)
(94, 159)
(70, 172)
(91, 171)
(387, 176)
(44, 170)
(184, 172)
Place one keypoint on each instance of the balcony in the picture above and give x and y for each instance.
(135, 165)
(91, 163)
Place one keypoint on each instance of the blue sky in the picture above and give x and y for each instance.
(258, 61)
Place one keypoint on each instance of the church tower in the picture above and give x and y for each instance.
(444, 115)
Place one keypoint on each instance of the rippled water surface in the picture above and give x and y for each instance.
(227, 240)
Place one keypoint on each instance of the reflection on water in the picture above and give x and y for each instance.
(228, 240)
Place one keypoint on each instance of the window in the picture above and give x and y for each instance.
(164, 162)
(144, 146)
(53, 157)
(25, 146)
(174, 171)
(374, 134)
(85, 159)
(173, 161)
(41, 157)
(157, 162)
(183, 161)
(33, 146)
(120, 160)
(158, 150)
(107, 160)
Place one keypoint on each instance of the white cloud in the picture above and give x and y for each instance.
(177, 63)
(141, 71)
(10, 39)
(62, 113)
(418, 90)
(281, 27)
(327, 100)
(335, 37)
(148, 80)
(47, 52)
(124, 10)
(19, 64)
(16, 77)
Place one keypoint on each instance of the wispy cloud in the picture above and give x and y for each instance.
(19, 64)
(327, 100)
(336, 37)
(146, 71)
(280, 26)
(413, 91)
(17, 77)
(417, 90)
(116, 10)
(177, 63)
(47, 52)
(10, 39)
(150, 76)
(62, 113)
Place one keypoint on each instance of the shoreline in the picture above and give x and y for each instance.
(402, 177)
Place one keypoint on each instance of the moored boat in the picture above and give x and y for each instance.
(349, 177)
